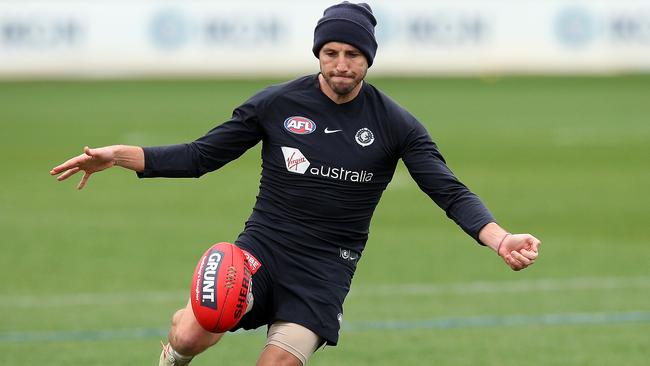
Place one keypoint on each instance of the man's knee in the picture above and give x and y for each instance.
(187, 337)
(176, 318)
(187, 343)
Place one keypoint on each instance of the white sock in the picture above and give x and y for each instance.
(180, 359)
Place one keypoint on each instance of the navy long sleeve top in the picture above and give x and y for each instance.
(324, 165)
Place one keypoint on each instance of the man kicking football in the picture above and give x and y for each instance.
(330, 145)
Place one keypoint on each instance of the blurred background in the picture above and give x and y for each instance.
(67, 38)
(540, 107)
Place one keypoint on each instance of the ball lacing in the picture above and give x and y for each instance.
(231, 276)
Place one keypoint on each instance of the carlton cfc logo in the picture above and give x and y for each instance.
(299, 125)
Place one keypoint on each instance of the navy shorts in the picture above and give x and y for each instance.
(297, 285)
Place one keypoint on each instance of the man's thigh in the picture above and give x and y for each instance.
(293, 338)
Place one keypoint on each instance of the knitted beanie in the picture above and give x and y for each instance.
(349, 23)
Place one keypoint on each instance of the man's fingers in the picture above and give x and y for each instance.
(532, 243)
(521, 251)
(84, 180)
(74, 162)
(67, 174)
(513, 263)
(529, 254)
(69, 164)
(521, 258)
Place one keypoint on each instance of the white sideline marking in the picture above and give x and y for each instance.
(589, 283)
(94, 299)
(633, 317)
(405, 289)
(503, 321)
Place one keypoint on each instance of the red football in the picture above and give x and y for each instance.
(220, 288)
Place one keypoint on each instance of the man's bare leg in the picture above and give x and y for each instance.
(186, 339)
(288, 344)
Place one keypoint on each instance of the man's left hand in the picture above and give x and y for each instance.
(519, 250)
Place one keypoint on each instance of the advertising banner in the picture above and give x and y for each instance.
(101, 38)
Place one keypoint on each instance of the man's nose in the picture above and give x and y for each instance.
(341, 64)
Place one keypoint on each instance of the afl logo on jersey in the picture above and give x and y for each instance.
(299, 125)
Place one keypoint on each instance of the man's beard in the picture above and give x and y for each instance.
(342, 89)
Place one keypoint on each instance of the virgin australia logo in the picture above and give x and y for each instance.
(294, 160)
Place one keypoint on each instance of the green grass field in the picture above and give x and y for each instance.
(92, 277)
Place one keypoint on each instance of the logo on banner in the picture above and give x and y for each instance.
(169, 29)
(575, 27)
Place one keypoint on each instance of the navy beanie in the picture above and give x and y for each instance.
(349, 23)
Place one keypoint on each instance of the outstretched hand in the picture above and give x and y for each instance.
(91, 161)
(519, 250)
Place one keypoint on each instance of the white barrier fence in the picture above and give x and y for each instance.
(103, 38)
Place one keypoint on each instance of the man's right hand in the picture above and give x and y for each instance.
(96, 160)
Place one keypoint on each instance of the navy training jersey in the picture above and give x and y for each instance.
(324, 165)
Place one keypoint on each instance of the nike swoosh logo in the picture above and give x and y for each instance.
(331, 131)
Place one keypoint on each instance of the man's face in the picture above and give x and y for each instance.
(343, 66)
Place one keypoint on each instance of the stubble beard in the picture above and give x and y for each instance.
(343, 89)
